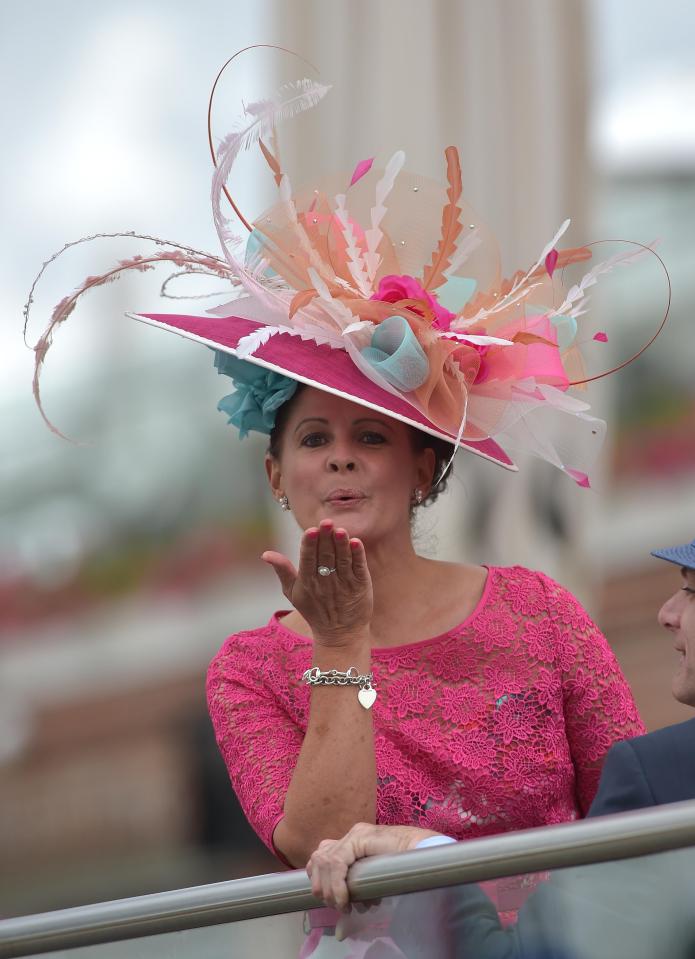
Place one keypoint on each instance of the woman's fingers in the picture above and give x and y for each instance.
(331, 587)
(326, 546)
(327, 871)
(343, 554)
(308, 554)
(284, 570)
(329, 864)
(360, 569)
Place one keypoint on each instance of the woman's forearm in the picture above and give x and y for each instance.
(334, 782)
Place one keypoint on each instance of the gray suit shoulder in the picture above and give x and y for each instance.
(679, 736)
(649, 770)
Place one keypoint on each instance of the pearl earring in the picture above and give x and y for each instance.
(284, 502)
(418, 496)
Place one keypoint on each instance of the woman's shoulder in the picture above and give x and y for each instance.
(531, 578)
(256, 645)
(531, 591)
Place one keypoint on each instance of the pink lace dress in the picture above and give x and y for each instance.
(501, 723)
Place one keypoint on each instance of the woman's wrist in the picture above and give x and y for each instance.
(356, 654)
(356, 640)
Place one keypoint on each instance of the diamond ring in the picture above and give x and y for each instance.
(325, 570)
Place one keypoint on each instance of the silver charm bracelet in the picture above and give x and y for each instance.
(351, 677)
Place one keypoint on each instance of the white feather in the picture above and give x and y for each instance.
(550, 246)
(511, 297)
(503, 304)
(259, 118)
(355, 260)
(360, 333)
(577, 292)
(476, 339)
(248, 344)
(359, 325)
(373, 236)
(470, 242)
(309, 332)
(318, 264)
(337, 310)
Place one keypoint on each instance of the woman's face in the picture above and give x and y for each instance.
(341, 461)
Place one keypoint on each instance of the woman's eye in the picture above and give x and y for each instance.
(313, 439)
(372, 438)
(689, 589)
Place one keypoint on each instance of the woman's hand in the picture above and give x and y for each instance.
(329, 864)
(338, 606)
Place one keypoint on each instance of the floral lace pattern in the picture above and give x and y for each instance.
(502, 723)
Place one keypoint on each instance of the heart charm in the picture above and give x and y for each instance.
(366, 696)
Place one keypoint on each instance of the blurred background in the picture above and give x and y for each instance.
(127, 558)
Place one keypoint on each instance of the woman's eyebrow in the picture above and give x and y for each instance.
(310, 419)
(384, 424)
(373, 419)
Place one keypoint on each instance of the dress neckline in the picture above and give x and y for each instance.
(277, 622)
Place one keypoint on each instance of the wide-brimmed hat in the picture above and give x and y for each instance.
(680, 555)
(385, 288)
(320, 366)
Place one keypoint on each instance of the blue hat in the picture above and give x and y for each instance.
(682, 555)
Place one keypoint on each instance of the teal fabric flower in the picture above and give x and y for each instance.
(258, 394)
(396, 354)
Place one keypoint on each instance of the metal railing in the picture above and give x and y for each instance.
(604, 839)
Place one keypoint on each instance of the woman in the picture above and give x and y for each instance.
(497, 697)
(465, 699)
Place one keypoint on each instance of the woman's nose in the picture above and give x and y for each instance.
(338, 463)
(341, 457)
(670, 612)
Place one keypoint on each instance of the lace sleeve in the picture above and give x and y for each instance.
(598, 704)
(255, 735)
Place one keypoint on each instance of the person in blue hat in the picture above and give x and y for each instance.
(660, 767)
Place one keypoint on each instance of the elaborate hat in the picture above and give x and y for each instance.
(385, 288)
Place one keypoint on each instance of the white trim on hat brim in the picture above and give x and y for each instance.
(141, 318)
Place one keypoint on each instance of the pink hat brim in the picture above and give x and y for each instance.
(322, 367)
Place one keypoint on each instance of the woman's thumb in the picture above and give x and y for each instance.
(284, 570)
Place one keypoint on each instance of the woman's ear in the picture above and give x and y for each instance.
(274, 474)
(427, 462)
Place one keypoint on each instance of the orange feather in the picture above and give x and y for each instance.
(271, 161)
(301, 299)
(451, 227)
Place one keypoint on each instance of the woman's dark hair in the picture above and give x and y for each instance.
(280, 420)
(443, 451)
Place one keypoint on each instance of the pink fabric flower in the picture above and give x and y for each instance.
(394, 288)
(452, 661)
(462, 705)
(618, 705)
(514, 721)
(472, 750)
(409, 695)
(507, 673)
(582, 690)
(541, 639)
